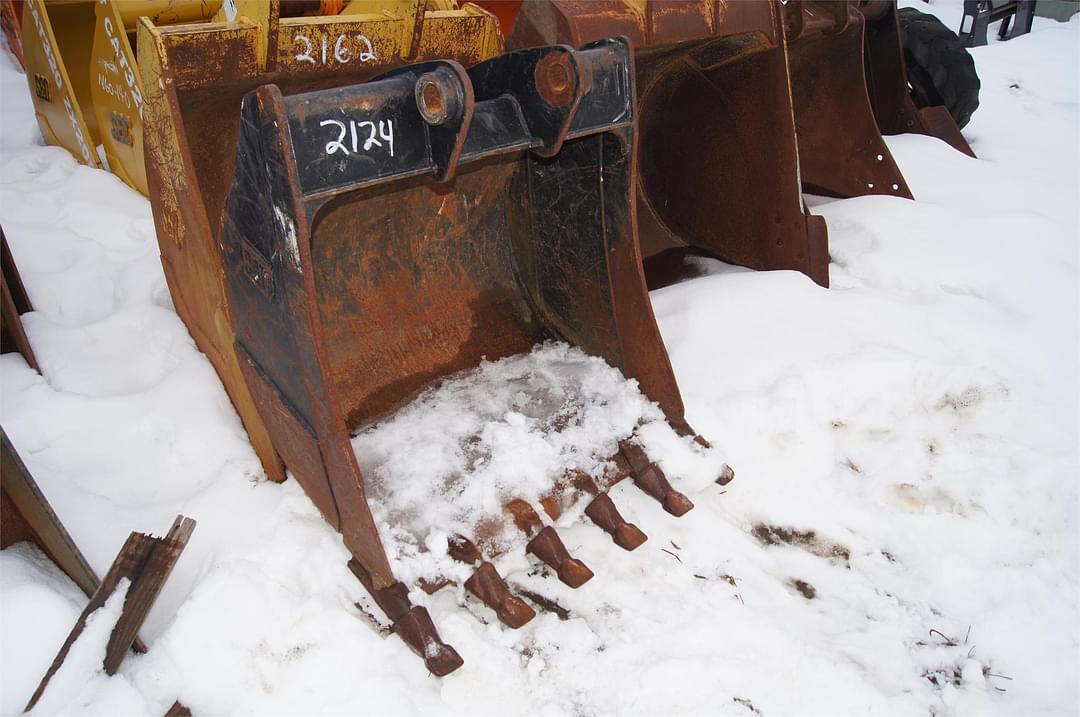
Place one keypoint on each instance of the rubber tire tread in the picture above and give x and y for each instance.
(940, 69)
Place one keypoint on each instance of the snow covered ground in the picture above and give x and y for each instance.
(902, 536)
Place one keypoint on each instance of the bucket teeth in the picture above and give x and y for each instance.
(394, 600)
(684, 429)
(584, 482)
(635, 456)
(491, 589)
(487, 585)
(603, 512)
(727, 474)
(525, 517)
(412, 623)
(417, 631)
(648, 477)
(655, 483)
(464, 550)
(548, 546)
(552, 505)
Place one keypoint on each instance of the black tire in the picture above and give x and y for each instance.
(940, 71)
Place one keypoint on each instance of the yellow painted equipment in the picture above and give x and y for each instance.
(116, 93)
(88, 91)
(80, 67)
(61, 94)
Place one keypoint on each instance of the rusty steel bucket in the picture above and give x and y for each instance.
(11, 25)
(718, 163)
(849, 87)
(195, 76)
(894, 107)
(494, 211)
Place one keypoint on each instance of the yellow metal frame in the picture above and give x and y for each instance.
(61, 98)
(88, 90)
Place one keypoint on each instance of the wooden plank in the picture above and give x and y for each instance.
(147, 562)
(164, 553)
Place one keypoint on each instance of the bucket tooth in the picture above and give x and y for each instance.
(648, 477)
(684, 429)
(432, 586)
(491, 589)
(601, 509)
(635, 456)
(487, 585)
(548, 546)
(411, 623)
(416, 630)
(603, 512)
(619, 470)
(525, 517)
(726, 475)
(567, 491)
(464, 550)
(552, 505)
(653, 481)
(583, 482)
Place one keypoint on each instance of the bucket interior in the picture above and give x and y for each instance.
(417, 280)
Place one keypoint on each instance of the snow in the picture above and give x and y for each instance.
(448, 461)
(31, 584)
(80, 684)
(288, 230)
(901, 536)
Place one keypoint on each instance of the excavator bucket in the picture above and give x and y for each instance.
(894, 107)
(381, 237)
(116, 93)
(849, 87)
(11, 24)
(717, 153)
(82, 75)
(194, 78)
(52, 33)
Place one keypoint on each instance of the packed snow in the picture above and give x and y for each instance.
(453, 457)
(79, 679)
(901, 537)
